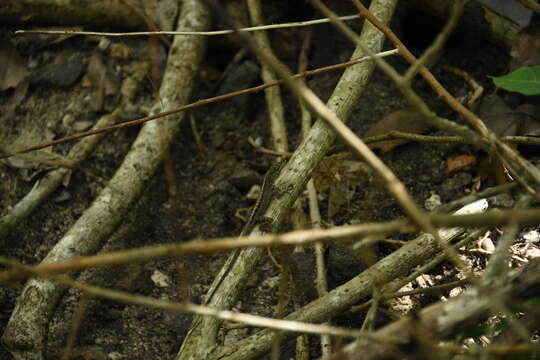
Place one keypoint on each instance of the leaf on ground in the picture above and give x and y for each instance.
(339, 177)
(530, 126)
(526, 48)
(459, 163)
(525, 80)
(405, 120)
(498, 117)
(101, 80)
(12, 67)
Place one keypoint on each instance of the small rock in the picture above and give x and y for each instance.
(63, 72)
(67, 120)
(433, 202)
(487, 244)
(532, 236)
(115, 355)
(160, 279)
(254, 192)
(503, 200)
(457, 181)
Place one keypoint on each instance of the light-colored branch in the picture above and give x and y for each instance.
(272, 94)
(96, 13)
(27, 326)
(531, 4)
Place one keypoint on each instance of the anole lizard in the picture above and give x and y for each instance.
(268, 190)
(266, 195)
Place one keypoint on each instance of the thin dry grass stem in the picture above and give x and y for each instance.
(75, 326)
(193, 33)
(301, 237)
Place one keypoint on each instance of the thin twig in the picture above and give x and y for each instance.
(194, 33)
(301, 237)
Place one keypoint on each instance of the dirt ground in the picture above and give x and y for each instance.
(212, 177)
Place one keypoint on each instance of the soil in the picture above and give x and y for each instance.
(212, 179)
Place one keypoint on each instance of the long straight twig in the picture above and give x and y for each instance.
(194, 33)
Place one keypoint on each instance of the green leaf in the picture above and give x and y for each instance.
(525, 80)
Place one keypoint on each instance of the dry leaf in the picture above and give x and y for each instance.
(101, 80)
(459, 163)
(405, 120)
(526, 48)
(530, 126)
(498, 117)
(337, 175)
(12, 67)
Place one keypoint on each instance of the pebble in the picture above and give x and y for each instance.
(432, 202)
(160, 279)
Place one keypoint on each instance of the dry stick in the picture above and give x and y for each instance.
(272, 94)
(314, 211)
(77, 154)
(188, 307)
(195, 33)
(391, 135)
(210, 246)
(353, 61)
(531, 4)
(506, 153)
(26, 330)
(295, 238)
(75, 326)
(96, 13)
